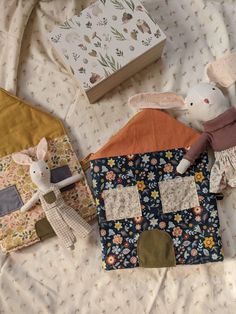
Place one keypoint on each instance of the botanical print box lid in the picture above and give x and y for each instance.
(105, 37)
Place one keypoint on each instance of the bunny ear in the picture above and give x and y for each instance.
(42, 149)
(223, 71)
(157, 101)
(22, 159)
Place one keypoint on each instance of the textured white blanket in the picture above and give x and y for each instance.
(47, 279)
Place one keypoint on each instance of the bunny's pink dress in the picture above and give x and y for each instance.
(220, 134)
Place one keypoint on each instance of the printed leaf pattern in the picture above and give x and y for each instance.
(87, 39)
(118, 4)
(66, 25)
(147, 42)
(109, 62)
(157, 34)
(117, 34)
(130, 4)
(75, 56)
(56, 38)
(103, 22)
(105, 37)
(107, 73)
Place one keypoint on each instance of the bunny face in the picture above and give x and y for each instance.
(39, 170)
(205, 102)
(40, 173)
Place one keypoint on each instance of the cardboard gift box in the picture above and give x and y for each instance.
(108, 42)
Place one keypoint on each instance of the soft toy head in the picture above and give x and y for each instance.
(39, 171)
(204, 102)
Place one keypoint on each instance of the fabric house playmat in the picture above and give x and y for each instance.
(21, 128)
(43, 278)
(149, 215)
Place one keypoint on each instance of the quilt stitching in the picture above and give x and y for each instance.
(122, 203)
(178, 194)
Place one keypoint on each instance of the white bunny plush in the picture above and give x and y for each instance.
(62, 217)
(208, 110)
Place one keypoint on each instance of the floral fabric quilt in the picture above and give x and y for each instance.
(194, 231)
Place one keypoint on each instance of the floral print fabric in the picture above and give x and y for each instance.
(17, 229)
(178, 194)
(122, 202)
(223, 172)
(194, 231)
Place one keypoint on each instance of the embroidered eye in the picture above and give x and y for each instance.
(191, 104)
(213, 88)
(34, 171)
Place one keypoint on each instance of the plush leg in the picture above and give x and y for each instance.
(61, 228)
(76, 222)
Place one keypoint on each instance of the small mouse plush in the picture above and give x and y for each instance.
(209, 111)
(62, 217)
(210, 107)
(206, 105)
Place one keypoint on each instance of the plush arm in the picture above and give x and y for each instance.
(183, 166)
(30, 203)
(194, 152)
(70, 180)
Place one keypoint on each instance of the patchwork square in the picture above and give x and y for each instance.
(60, 173)
(122, 203)
(178, 194)
(10, 200)
(50, 197)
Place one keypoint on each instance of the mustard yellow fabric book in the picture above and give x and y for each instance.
(21, 128)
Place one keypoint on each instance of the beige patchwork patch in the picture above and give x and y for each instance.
(122, 203)
(178, 194)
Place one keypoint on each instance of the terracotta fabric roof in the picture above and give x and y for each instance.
(148, 131)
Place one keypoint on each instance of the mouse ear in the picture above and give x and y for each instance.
(22, 159)
(42, 149)
(157, 101)
(223, 71)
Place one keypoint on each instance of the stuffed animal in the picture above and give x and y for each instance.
(208, 104)
(209, 109)
(62, 217)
